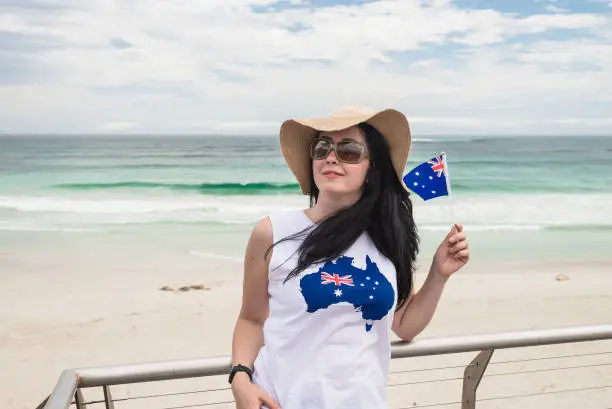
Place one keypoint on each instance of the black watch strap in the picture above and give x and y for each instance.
(240, 368)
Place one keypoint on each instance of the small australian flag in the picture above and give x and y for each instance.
(430, 179)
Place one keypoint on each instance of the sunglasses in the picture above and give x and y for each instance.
(347, 150)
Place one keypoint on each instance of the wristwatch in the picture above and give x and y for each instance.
(240, 368)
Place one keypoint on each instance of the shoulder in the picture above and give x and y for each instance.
(287, 216)
(287, 222)
(272, 228)
(260, 241)
(262, 232)
(265, 227)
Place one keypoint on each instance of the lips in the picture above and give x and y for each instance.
(331, 173)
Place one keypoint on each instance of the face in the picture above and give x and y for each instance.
(333, 174)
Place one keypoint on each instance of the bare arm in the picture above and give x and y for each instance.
(418, 311)
(248, 332)
(415, 315)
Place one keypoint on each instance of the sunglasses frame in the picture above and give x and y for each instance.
(363, 154)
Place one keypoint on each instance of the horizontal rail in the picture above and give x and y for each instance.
(503, 340)
(153, 371)
(72, 379)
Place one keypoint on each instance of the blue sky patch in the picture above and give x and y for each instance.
(120, 43)
(427, 52)
(298, 27)
(529, 7)
(42, 5)
(230, 76)
(312, 4)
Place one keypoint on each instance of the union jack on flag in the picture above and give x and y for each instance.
(437, 165)
(429, 179)
(336, 279)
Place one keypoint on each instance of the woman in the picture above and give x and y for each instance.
(325, 287)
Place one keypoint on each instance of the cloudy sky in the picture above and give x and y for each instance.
(242, 66)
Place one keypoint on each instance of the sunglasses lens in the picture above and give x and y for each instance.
(321, 149)
(349, 152)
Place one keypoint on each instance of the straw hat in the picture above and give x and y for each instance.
(297, 134)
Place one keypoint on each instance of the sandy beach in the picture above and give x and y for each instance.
(99, 308)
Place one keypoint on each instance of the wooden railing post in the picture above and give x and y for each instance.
(79, 400)
(108, 398)
(472, 376)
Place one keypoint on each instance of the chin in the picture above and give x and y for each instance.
(336, 189)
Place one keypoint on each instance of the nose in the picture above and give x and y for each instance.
(331, 157)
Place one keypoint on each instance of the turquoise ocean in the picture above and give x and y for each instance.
(520, 198)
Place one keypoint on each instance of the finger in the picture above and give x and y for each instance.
(459, 227)
(459, 246)
(457, 237)
(450, 234)
(268, 401)
(463, 254)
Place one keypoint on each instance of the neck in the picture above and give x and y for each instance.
(328, 204)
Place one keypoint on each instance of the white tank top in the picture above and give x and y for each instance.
(327, 340)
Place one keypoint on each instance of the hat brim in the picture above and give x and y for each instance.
(297, 134)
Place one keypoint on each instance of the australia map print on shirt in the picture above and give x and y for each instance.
(340, 281)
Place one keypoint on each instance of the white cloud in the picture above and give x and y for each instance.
(182, 66)
(555, 9)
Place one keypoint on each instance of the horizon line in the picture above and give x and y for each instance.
(272, 135)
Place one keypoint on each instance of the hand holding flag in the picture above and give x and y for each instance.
(429, 180)
(452, 253)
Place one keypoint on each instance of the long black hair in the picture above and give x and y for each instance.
(384, 211)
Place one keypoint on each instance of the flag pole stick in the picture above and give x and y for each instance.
(448, 188)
